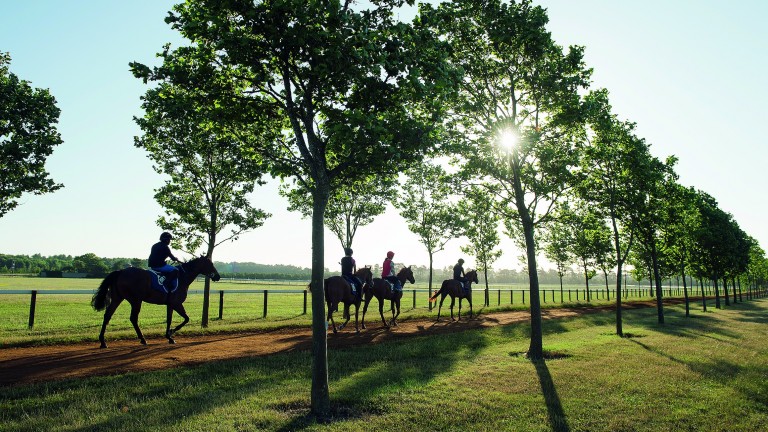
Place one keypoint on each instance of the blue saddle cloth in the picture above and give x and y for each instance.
(166, 287)
(354, 282)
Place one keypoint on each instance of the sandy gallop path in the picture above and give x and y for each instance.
(48, 363)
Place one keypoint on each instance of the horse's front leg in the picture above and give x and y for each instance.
(357, 310)
(135, 309)
(365, 309)
(168, 319)
(453, 301)
(395, 314)
(381, 312)
(183, 313)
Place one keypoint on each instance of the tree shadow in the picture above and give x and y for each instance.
(555, 412)
(360, 378)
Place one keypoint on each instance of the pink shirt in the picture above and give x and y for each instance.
(387, 269)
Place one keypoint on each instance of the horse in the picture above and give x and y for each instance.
(135, 285)
(453, 288)
(382, 290)
(338, 290)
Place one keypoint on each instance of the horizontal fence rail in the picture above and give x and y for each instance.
(480, 294)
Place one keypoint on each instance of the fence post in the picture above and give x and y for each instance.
(32, 303)
(305, 302)
(523, 296)
(221, 304)
(265, 303)
(414, 299)
(499, 298)
(511, 297)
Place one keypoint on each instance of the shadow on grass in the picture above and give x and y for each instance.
(557, 418)
(268, 389)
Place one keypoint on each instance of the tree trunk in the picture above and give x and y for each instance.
(725, 291)
(536, 349)
(586, 278)
(207, 287)
(320, 395)
(703, 295)
(485, 272)
(717, 293)
(430, 277)
(657, 276)
(685, 291)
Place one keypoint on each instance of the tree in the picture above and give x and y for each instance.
(589, 239)
(210, 174)
(347, 209)
(427, 207)
(519, 82)
(28, 134)
(557, 244)
(482, 231)
(334, 86)
(90, 264)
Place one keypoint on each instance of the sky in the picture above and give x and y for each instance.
(690, 73)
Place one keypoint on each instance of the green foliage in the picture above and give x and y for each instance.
(28, 134)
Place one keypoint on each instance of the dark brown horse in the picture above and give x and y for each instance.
(453, 288)
(134, 285)
(338, 290)
(382, 290)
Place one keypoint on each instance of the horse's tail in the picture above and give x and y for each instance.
(101, 298)
(434, 296)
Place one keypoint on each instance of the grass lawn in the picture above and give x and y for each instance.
(706, 372)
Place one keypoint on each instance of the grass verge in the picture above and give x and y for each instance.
(705, 372)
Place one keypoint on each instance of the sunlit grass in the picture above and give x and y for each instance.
(70, 318)
(706, 372)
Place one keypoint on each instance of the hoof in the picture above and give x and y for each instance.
(143, 341)
(171, 341)
(103, 345)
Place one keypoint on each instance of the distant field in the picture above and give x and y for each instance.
(69, 317)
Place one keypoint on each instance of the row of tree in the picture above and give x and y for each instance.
(340, 101)
(470, 119)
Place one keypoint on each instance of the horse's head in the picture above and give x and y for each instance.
(366, 275)
(407, 274)
(203, 265)
(472, 276)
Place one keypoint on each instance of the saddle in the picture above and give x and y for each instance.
(165, 282)
(394, 287)
(354, 282)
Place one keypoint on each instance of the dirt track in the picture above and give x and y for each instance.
(20, 366)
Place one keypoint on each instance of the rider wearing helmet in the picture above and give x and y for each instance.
(458, 273)
(388, 271)
(348, 269)
(161, 251)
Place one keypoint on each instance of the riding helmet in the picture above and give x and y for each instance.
(166, 236)
(348, 251)
(390, 254)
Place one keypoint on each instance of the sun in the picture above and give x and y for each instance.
(508, 139)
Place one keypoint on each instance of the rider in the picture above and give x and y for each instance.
(161, 251)
(388, 272)
(458, 274)
(348, 269)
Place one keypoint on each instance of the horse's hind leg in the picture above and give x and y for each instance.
(346, 315)
(453, 301)
(135, 309)
(332, 307)
(440, 307)
(107, 316)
